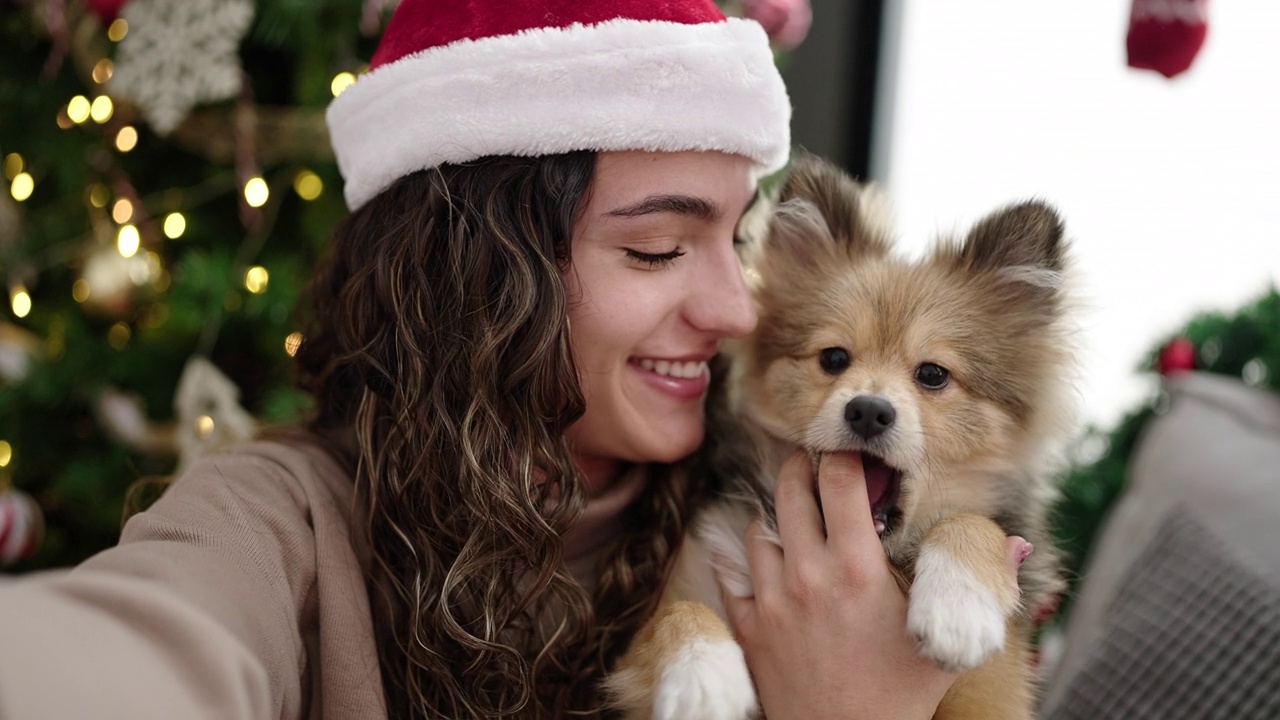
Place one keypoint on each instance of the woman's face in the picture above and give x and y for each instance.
(654, 286)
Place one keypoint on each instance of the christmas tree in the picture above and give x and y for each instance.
(168, 186)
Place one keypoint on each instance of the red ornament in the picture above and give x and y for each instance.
(1176, 357)
(1166, 35)
(21, 527)
(106, 10)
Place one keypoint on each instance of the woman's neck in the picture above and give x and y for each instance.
(600, 473)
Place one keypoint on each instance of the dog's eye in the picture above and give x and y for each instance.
(834, 360)
(932, 376)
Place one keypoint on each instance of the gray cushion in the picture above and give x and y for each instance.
(1186, 572)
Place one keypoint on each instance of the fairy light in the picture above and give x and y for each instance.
(103, 70)
(64, 120)
(6, 453)
(126, 139)
(174, 225)
(117, 30)
(256, 192)
(292, 342)
(101, 109)
(22, 186)
(78, 109)
(341, 81)
(255, 280)
(80, 290)
(20, 299)
(204, 426)
(119, 334)
(128, 240)
(308, 185)
(13, 164)
(99, 195)
(122, 211)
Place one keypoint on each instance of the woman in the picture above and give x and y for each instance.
(508, 348)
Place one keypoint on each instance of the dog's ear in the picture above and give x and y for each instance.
(1027, 237)
(849, 210)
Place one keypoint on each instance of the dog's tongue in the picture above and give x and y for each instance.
(878, 475)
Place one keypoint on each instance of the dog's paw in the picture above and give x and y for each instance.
(707, 680)
(957, 620)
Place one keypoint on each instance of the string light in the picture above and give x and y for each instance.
(64, 120)
(174, 225)
(78, 109)
(204, 426)
(103, 70)
(99, 195)
(117, 30)
(20, 299)
(101, 109)
(255, 280)
(126, 139)
(292, 342)
(22, 186)
(6, 453)
(341, 82)
(256, 192)
(119, 334)
(308, 185)
(122, 211)
(128, 241)
(80, 290)
(13, 165)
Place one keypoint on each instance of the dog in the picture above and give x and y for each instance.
(950, 375)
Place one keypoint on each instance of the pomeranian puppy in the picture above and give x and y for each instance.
(950, 375)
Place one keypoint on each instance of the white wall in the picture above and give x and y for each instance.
(1170, 188)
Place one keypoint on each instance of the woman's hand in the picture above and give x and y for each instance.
(826, 633)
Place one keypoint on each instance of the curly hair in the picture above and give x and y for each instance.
(437, 342)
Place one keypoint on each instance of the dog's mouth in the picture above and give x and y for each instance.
(883, 485)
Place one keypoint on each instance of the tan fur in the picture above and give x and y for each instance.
(975, 457)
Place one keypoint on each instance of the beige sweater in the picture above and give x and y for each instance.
(239, 594)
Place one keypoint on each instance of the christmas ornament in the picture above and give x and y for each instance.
(106, 10)
(785, 21)
(1177, 357)
(178, 54)
(21, 526)
(122, 416)
(207, 411)
(209, 415)
(630, 61)
(1166, 35)
(17, 345)
(112, 278)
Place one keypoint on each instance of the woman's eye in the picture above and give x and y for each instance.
(834, 360)
(654, 260)
(932, 376)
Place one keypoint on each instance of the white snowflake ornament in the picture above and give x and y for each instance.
(178, 54)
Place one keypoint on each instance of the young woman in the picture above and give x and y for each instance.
(508, 347)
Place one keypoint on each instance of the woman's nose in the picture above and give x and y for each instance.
(721, 303)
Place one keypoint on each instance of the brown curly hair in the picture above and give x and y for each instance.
(437, 343)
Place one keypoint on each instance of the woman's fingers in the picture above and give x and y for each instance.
(799, 520)
(843, 489)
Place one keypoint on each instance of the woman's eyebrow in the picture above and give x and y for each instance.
(689, 205)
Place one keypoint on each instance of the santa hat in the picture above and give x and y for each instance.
(456, 80)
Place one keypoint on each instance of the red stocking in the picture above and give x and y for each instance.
(1165, 35)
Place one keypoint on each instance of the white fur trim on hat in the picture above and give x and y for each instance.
(619, 85)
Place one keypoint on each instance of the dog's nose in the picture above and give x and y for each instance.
(869, 415)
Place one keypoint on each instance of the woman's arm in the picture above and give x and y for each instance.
(197, 613)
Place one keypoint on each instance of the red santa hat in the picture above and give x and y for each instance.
(456, 80)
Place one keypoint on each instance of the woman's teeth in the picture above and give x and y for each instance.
(691, 369)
